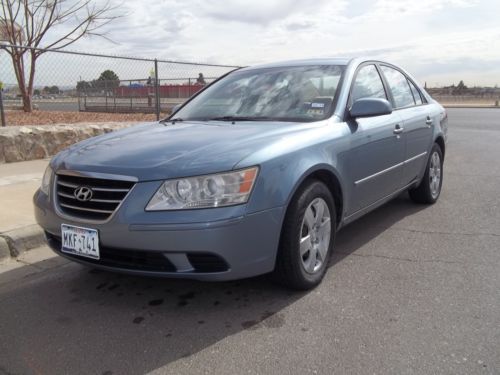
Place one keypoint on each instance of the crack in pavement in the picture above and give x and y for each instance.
(471, 175)
(439, 232)
(407, 259)
(34, 265)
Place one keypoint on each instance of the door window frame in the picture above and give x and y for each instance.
(409, 80)
(387, 89)
(361, 66)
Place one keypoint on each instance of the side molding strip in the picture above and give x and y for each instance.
(390, 168)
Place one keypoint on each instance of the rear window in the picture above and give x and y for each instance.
(416, 93)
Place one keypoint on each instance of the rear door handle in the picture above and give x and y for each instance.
(428, 121)
(397, 129)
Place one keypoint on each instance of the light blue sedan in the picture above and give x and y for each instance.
(253, 175)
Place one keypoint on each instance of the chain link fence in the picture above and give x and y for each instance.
(76, 85)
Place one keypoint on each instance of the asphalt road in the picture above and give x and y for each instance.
(63, 106)
(410, 289)
(50, 105)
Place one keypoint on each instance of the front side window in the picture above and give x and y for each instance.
(399, 86)
(298, 93)
(367, 84)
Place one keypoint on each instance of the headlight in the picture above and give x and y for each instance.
(216, 190)
(47, 176)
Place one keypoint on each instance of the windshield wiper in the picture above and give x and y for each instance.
(241, 118)
(172, 120)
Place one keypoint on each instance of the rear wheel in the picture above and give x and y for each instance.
(307, 237)
(430, 187)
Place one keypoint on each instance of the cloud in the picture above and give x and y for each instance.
(260, 12)
(416, 34)
(299, 25)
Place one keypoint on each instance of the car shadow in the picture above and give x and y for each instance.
(355, 235)
(106, 323)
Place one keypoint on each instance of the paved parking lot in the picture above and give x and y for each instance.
(410, 289)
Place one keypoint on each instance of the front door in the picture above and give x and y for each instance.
(377, 146)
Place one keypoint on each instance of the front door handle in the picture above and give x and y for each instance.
(397, 129)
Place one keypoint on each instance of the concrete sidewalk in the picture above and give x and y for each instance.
(18, 230)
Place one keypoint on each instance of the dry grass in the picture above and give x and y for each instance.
(17, 118)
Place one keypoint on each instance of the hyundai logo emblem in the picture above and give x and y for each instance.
(83, 193)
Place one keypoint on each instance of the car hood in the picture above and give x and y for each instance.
(159, 151)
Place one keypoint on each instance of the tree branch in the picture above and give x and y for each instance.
(33, 19)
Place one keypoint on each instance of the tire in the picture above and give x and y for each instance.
(429, 189)
(310, 224)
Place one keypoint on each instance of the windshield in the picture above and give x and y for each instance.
(303, 93)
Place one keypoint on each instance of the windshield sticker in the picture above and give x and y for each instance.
(317, 105)
(316, 112)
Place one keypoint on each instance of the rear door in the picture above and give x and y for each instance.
(417, 121)
(377, 148)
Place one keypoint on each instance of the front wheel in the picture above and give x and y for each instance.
(307, 237)
(430, 187)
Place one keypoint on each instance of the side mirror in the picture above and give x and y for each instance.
(370, 107)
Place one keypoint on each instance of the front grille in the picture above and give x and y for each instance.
(126, 259)
(205, 262)
(106, 196)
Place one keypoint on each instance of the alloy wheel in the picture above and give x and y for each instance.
(435, 174)
(315, 235)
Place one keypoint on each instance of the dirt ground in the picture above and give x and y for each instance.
(17, 118)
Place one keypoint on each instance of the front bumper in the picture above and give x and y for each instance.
(219, 244)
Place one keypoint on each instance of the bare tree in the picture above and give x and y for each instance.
(27, 23)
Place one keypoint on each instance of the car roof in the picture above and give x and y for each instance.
(304, 62)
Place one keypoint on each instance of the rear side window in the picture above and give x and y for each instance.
(399, 86)
(416, 93)
(367, 84)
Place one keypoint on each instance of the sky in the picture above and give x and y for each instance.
(438, 41)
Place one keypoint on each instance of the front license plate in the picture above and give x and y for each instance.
(80, 241)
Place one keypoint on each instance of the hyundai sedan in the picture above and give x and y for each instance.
(255, 174)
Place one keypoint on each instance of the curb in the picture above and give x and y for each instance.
(4, 249)
(17, 241)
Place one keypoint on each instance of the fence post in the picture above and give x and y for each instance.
(85, 94)
(106, 93)
(2, 113)
(157, 91)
